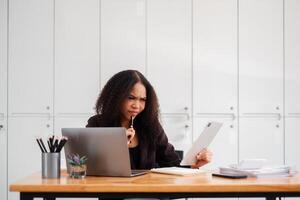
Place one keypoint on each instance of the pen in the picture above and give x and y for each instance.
(51, 142)
(131, 122)
(40, 145)
(131, 126)
(49, 145)
(61, 144)
(55, 143)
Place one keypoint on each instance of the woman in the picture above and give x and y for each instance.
(128, 100)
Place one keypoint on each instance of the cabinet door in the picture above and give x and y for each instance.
(215, 56)
(292, 138)
(31, 56)
(169, 53)
(77, 37)
(3, 159)
(292, 61)
(24, 154)
(178, 130)
(3, 99)
(123, 41)
(260, 55)
(261, 138)
(3, 59)
(225, 145)
(68, 122)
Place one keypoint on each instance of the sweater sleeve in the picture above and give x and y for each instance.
(165, 152)
(93, 121)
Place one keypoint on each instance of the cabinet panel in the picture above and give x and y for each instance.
(3, 59)
(261, 138)
(292, 138)
(3, 159)
(123, 42)
(3, 99)
(178, 130)
(23, 150)
(225, 145)
(30, 56)
(68, 122)
(260, 55)
(77, 37)
(169, 52)
(292, 61)
(215, 56)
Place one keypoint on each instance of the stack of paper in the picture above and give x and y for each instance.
(177, 171)
(263, 171)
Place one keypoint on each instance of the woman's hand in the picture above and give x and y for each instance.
(130, 134)
(203, 157)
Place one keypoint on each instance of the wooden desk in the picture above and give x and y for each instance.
(156, 185)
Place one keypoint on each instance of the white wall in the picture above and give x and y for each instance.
(234, 61)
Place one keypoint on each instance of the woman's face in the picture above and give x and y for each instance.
(134, 103)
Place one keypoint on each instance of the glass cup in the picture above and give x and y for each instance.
(77, 171)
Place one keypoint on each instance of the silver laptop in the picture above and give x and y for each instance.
(106, 149)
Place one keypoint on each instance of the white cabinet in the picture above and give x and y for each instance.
(30, 56)
(3, 59)
(77, 72)
(260, 56)
(3, 159)
(292, 83)
(292, 61)
(169, 53)
(169, 66)
(123, 40)
(69, 122)
(225, 145)
(292, 138)
(3, 99)
(215, 69)
(24, 154)
(261, 138)
(178, 130)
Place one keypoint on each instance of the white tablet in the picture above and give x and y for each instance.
(203, 141)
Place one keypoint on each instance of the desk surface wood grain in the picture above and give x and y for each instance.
(152, 182)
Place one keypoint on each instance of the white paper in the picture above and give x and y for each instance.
(203, 141)
(264, 171)
(177, 171)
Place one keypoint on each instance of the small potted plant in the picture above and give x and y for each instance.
(77, 165)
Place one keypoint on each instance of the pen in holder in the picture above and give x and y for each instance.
(50, 165)
(51, 159)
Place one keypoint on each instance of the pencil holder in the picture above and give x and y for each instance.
(50, 165)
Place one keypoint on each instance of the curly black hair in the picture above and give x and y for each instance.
(113, 94)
